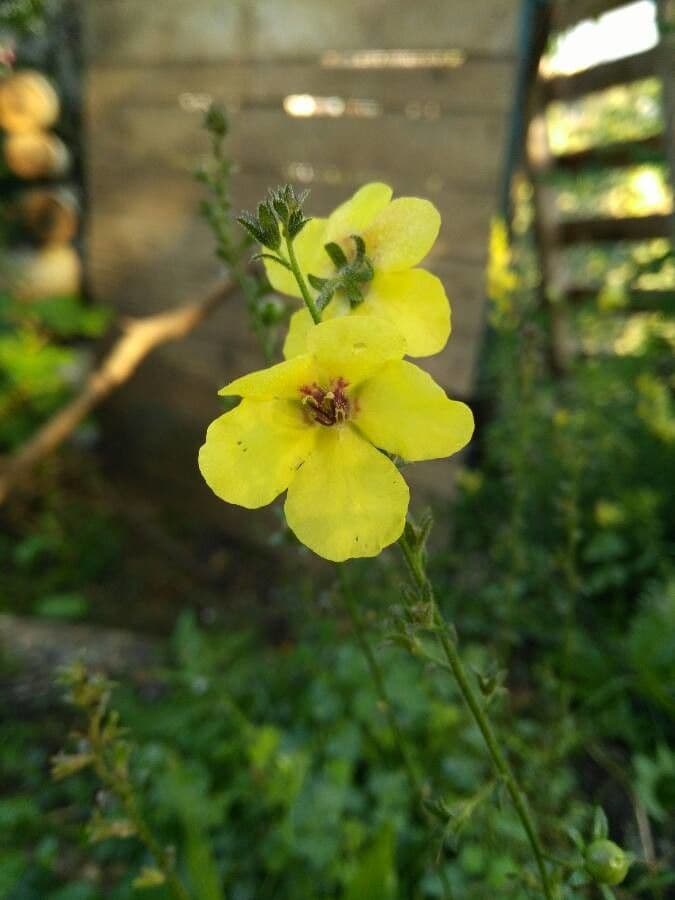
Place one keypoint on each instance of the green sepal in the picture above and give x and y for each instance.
(251, 224)
(296, 222)
(325, 295)
(316, 282)
(360, 245)
(270, 226)
(352, 292)
(336, 254)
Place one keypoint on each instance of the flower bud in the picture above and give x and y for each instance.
(606, 862)
(216, 120)
(272, 311)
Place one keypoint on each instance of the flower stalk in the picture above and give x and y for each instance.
(414, 558)
(302, 284)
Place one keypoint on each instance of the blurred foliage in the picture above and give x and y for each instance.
(42, 359)
(638, 190)
(622, 113)
(22, 17)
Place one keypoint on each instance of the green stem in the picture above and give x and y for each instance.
(124, 793)
(502, 768)
(304, 290)
(377, 676)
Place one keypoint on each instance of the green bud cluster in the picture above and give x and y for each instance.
(279, 216)
(349, 277)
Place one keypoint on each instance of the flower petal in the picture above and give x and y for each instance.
(402, 234)
(355, 214)
(348, 499)
(309, 252)
(282, 380)
(403, 410)
(354, 347)
(300, 325)
(252, 453)
(415, 302)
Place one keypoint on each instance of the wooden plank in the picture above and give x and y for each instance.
(476, 85)
(464, 147)
(598, 78)
(147, 246)
(140, 267)
(174, 30)
(629, 229)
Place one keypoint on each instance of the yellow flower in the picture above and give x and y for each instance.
(312, 425)
(397, 234)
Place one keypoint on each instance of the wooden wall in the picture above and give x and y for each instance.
(433, 126)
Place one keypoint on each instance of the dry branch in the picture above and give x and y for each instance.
(139, 337)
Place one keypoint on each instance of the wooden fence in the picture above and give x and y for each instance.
(419, 95)
(554, 233)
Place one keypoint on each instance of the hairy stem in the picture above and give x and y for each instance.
(299, 277)
(417, 569)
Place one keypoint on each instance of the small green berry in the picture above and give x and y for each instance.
(606, 862)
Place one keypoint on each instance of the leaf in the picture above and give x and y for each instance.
(63, 765)
(102, 829)
(149, 877)
(201, 863)
(62, 606)
(271, 256)
(600, 824)
(375, 876)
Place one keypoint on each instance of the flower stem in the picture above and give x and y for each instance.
(304, 290)
(500, 763)
(377, 676)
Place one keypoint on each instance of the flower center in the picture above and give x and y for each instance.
(327, 406)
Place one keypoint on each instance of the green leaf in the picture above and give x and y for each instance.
(148, 877)
(68, 316)
(375, 876)
(600, 824)
(201, 863)
(277, 259)
(62, 606)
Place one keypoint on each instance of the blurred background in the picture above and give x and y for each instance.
(543, 133)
